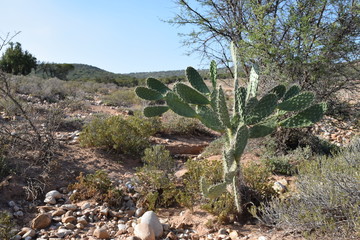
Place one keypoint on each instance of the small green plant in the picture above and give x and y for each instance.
(250, 118)
(125, 135)
(122, 98)
(178, 125)
(256, 176)
(96, 186)
(6, 224)
(155, 179)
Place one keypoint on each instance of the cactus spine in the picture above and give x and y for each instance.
(250, 118)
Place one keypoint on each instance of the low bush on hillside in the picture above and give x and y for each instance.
(122, 98)
(125, 135)
(97, 186)
(177, 125)
(327, 198)
(155, 179)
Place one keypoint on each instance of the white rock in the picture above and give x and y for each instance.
(144, 232)
(63, 232)
(50, 200)
(55, 194)
(151, 219)
(262, 238)
(139, 212)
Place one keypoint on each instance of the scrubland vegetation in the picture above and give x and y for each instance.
(261, 124)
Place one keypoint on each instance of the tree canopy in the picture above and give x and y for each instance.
(291, 40)
(16, 61)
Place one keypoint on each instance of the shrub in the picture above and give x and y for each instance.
(122, 98)
(327, 197)
(175, 124)
(6, 224)
(125, 135)
(286, 164)
(97, 186)
(256, 177)
(155, 179)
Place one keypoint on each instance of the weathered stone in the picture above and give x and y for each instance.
(31, 233)
(234, 235)
(58, 212)
(69, 226)
(144, 231)
(71, 207)
(151, 219)
(139, 212)
(41, 221)
(85, 205)
(101, 233)
(68, 219)
(122, 228)
(82, 220)
(63, 232)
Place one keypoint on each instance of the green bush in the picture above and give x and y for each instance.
(327, 198)
(122, 98)
(6, 224)
(128, 135)
(155, 179)
(175, 124)
(97, 186)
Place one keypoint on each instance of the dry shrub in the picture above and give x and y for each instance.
(327, 198)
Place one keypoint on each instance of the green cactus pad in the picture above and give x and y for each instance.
(298, 102)
(190, 95)
(262, 109)
(240, 96)
(250, 104)
(305, 118)
(216, 190)
(291, 92)
(213, 73)
(222, 109)
(241, 139)
(196, 80)
(148, 94)
(154, 111)
(155, 84)
(253, 83)
(263, 129)
(213, 99)
(178, 106)
(279, 90)
(209, 118)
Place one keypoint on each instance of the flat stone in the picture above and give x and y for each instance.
(41, 221)
(68, 219)
(101, 233)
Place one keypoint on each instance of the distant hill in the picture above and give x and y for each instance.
(84, 72)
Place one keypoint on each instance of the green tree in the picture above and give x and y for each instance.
(55, 70)
(303, 41)
(16, 61)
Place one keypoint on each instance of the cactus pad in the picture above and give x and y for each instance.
(178, 106)
(291, 92)
(213, 73)
(155, 84)
(154, 111)
(196, 80)
(305, 118)
(262, 109)
(222, 109)
(298, 102)
(279, 90)
(209, 118)
(148, 94)
(190, 95)
(240, 141)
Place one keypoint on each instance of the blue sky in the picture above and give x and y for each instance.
(120, 36)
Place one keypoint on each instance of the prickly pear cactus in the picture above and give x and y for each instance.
(250, 118)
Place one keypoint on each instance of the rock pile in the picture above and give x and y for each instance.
(337, 132)
(61, 219)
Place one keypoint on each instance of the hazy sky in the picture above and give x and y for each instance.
(120, 36)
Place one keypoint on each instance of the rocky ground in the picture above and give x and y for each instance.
(56, 217)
